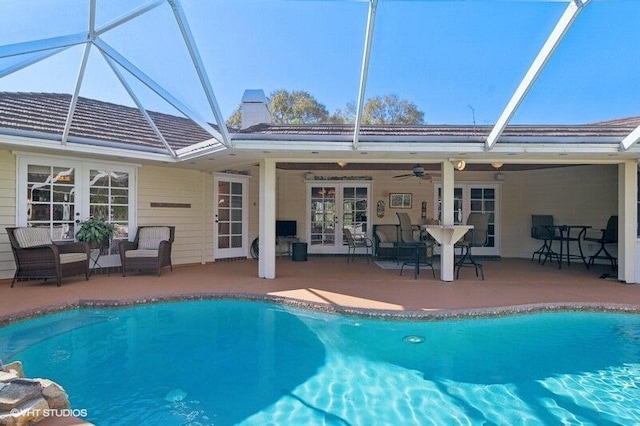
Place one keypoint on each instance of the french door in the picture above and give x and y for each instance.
(230, 216)
(59, 193)
(480, 198)
(333, 206)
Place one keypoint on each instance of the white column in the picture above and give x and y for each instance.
(267, 216)
(447, 256)
(627, 221)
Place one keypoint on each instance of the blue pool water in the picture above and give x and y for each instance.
(241, 362)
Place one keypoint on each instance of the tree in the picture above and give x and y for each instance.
(296, 107)
(388, 109)
(299, 107)
(235, 119)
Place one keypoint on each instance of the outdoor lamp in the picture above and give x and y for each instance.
(459, 164)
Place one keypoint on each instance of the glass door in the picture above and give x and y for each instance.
(476, 198)
(59, 193)
(355, 210)
(324, 215)
(109, 199)
(230, 217)
(51, 200)
(333, 207)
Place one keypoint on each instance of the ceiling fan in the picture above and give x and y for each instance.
(417, 171)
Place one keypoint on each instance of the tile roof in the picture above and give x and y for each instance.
(46, 113)
(615, 128)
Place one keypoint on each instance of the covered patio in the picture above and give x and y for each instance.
(119, 136)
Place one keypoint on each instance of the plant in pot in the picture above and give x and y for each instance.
(96, 232)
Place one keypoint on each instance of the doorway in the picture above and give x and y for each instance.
(481, 198)
(59, 193)
(230, 216)
(332, 207)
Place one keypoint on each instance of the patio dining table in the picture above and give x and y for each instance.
(567, 234)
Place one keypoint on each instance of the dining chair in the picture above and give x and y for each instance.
(609, 236)
(407, 240)
(354, 243)
(478, 236)
(542, 230)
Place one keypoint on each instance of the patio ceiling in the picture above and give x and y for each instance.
(102, 31)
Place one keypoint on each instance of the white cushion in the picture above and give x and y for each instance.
(31, 237)
(72, 257)
(141, 253)
(150, 237)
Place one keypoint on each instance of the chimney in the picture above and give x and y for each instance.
(254, 108)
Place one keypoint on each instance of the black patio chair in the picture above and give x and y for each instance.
(478, 236)
(609, 236)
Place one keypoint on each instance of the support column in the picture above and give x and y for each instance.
(447, 256)
(267, 216)
(628, 221)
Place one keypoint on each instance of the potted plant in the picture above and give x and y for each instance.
(96, 232)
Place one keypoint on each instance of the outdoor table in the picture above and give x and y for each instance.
(446, 236)
(566, 235)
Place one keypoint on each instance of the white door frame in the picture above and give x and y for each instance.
(243, 251)
(81, 197)
(466, 208)
(338, 247)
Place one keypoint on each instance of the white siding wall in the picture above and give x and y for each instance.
(194, 225)
(7, 210)
(580, 195)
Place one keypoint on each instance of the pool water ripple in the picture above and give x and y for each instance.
(254, 363)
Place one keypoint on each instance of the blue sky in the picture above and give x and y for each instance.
(459, 61)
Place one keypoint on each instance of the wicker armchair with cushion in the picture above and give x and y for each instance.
(385, 241)
(151, 249)
(37, 257)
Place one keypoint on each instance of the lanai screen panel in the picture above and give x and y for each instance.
(312, 46)
(593, 74)
(458, 62)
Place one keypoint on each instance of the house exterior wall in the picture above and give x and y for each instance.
(194, 225)
(585, 194)
(7, 210)
(578, 195)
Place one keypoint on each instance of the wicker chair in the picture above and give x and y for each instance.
(151, 249)
(37, 257)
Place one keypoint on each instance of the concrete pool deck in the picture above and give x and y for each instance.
(334, 282)
(329, 281)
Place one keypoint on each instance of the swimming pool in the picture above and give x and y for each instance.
(231, 361)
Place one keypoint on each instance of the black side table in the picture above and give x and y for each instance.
(299, 252)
